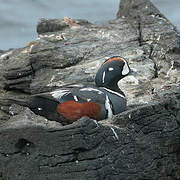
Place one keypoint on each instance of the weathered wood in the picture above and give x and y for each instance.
(140, 143)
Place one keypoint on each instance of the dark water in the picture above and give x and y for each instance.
(18, 18)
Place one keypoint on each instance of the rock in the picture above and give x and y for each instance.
(53, 25)
(140, 143)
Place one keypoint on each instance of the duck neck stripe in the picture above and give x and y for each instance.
(114, 92)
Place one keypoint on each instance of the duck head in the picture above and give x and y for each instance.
(111, 71)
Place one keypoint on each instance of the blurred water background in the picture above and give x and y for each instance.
(18, 18)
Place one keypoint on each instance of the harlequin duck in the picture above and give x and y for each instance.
(71, 102)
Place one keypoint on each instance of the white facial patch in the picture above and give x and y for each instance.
(110, 69)
(108, 107)
(125, 70)
(104, 74)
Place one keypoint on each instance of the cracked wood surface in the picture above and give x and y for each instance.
(140, 143)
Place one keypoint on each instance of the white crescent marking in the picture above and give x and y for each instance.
(108, 107)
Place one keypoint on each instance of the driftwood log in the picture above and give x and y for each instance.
(140, 143)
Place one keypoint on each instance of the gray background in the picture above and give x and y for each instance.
(18, 18)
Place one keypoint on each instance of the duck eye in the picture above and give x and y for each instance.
(110, 69)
